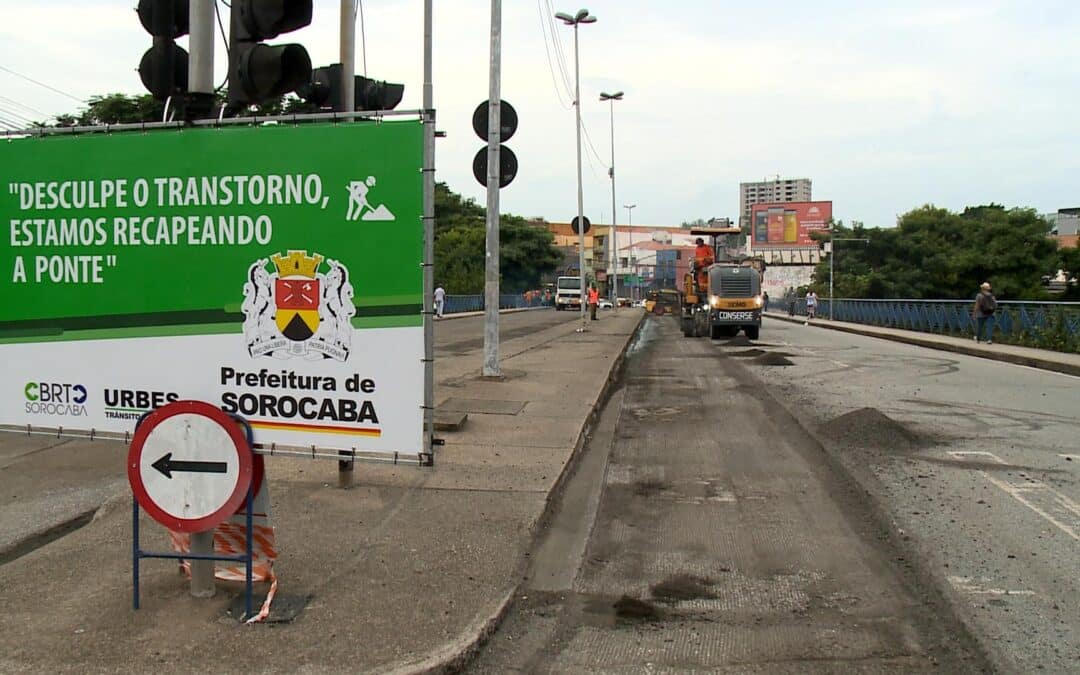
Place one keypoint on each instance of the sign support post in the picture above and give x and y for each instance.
(191, 467)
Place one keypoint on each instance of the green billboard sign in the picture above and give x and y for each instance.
(274, 270)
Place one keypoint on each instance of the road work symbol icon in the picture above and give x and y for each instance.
(359, 206)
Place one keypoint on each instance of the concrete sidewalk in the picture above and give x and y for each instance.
(405, 572)
(1036, 358)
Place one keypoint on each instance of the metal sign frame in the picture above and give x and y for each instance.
(426, 456)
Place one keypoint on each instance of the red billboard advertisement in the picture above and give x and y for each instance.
(789, 223)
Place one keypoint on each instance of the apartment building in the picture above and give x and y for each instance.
(771, 192)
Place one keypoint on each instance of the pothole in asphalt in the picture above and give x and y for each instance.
(649, 487)
(869, 427)
(683, 587)
(633, 609)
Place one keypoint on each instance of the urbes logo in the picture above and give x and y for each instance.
(131, 404)
(55, 398)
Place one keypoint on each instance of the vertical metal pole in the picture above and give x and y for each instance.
(614, 217)
(429, 239)
(250, 550)
(832, 275)
(202, 571)
(491, 262)
(201, 42)
(580, 198)
(135, 552)
(347, 55)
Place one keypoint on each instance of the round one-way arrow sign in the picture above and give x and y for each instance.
(190, 466)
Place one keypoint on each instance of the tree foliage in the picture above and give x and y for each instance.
(125, 109)
(526, 252)
(935, 253)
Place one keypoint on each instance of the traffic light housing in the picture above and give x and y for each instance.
(260, 72)
(164, 67)
(324, 90)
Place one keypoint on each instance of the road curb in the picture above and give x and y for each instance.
(452, 658)
(969, 350)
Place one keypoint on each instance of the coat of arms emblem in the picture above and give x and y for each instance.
(297, 309)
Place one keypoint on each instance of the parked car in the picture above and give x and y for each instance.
(605, 304)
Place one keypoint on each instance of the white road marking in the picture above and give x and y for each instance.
(1074, 457)
(1017, 490)
(968, 585)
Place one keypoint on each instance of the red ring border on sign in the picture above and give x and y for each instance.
(243, 451)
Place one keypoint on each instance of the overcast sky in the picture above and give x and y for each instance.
(885, 106)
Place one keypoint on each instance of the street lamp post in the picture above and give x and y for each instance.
(832, 266)
(630, 224)
(582, 16)
(611, 98)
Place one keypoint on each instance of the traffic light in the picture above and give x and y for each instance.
(259, 72)
(164, 67)
(376, 95)
(324, 90)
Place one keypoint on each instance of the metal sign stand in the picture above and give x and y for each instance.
(247, 558)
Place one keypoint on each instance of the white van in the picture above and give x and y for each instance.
(568, 293)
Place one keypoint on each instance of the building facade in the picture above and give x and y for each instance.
(771, 191)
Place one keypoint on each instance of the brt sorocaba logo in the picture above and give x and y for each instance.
(298, 309)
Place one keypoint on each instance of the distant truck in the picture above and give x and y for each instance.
(568, 293)
(729, 299)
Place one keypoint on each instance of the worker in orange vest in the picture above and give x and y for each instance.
(703, 257)
(594, 301)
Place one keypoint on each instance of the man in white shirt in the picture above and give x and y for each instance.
(811, 305)
(440, 301)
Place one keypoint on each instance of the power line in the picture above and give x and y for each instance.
(41, 84)
(15, 115)
(560, 53)
(11, 126)
(224, 39)
(547, 52)
(23, 106)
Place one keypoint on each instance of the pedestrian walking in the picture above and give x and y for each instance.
(811, 306)
(983, 313)
(765, 301)
(594, 301)
(440, 301)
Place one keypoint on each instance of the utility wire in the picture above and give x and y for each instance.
(41, 84)
(10, 126)
(559, 52)
(15, 114)
(358, 8)
(224, 39)
(23, 106)
(547, 52)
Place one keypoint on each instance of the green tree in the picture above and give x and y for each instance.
(526, 251)
(935, 253)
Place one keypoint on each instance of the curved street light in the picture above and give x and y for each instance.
(611, 98)
(582, 16)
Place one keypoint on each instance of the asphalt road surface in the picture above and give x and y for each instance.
(977, 464)
(705, 530)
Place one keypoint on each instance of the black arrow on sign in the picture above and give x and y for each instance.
(166, 465)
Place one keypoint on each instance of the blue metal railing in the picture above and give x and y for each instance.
(1014, 320)
(475, 303)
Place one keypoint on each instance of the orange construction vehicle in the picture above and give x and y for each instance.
(722, 293)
